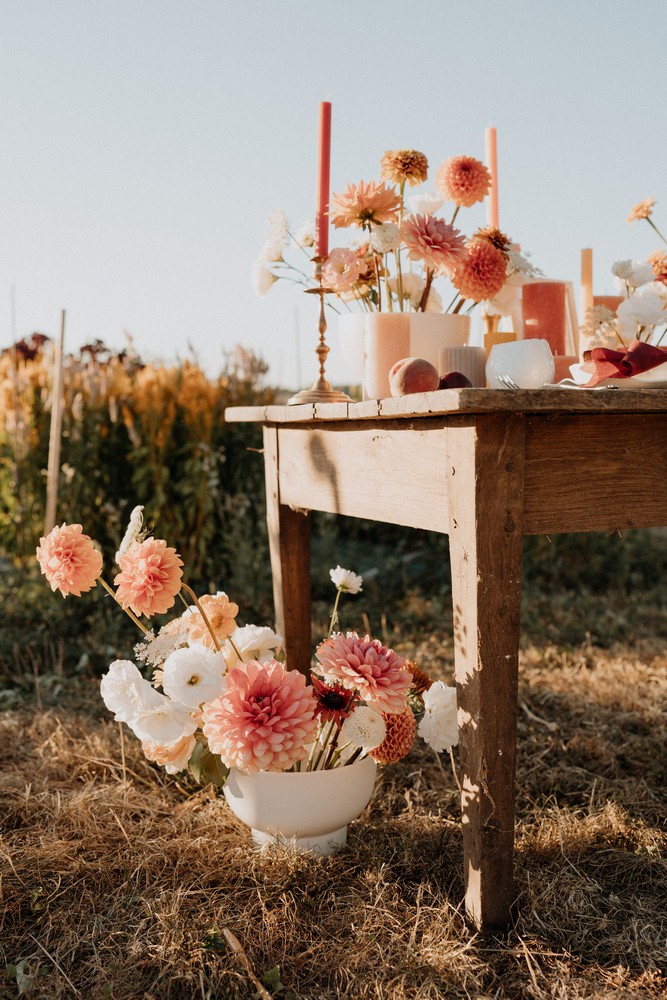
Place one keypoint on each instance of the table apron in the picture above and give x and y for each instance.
(582, 472)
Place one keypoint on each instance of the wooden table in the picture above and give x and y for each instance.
(485, 467)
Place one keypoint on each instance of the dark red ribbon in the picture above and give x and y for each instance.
(639, 357)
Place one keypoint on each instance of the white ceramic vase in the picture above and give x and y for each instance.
(386, 341)
(306, 810)
(430, 332)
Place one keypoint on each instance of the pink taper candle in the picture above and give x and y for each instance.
(492, 164)
(586, 282)
(324, 147)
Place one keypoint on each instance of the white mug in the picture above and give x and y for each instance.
(527, 363)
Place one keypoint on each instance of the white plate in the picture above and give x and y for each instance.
(655, 378)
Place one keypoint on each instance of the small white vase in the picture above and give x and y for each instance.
(350, 335)
(386, 341)
(430, 332)
(305, 810)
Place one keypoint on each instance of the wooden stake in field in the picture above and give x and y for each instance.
(53, 471)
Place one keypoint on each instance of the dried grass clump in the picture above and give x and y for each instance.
(118, 881)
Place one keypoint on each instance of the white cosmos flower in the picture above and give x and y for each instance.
(193, 675)
(640, 310)
(262, 276)
(164, 725)
(126, 693)
(364, 729)
(439, 725)
(634, 272)
(305, 237)
(346, 580)
(253, 642)
(425, 203)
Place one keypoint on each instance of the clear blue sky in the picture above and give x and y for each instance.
(146, 141)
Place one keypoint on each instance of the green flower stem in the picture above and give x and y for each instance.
(454, 771)
(459, 306)
(324, 746)
(377, 275)
(127, 611)
(652, 223)
(427, 289)
(334, 613)
(456, 212)
(399, 272)
(201, 611)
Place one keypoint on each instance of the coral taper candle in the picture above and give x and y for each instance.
(321, 215)
(586, 282)
(492, 164)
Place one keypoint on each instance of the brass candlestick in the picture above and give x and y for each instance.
(320, 391)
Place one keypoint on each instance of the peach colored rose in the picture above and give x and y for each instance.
(221, 613)
(173, 758)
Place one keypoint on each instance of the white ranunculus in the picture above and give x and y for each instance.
(164, 725)
(425, 203)
(253, 642)
(346, 580)
(262, 277)
(640, 310)
(365, 729)
(385, 237)
(194, 674)
(633, 272)
(505, 301)
(439, 725)
(126, 693)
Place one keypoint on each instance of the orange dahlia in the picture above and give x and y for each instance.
(404, 165)
(463, 180)
(420, 681)
(400, 736)
(482, 274)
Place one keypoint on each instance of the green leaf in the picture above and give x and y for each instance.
(206, 767)
(271, 979)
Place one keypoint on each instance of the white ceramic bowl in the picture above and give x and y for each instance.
(528, 363)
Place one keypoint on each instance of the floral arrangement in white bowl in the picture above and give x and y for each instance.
(220, 696)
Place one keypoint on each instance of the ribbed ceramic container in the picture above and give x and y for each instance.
(307, 810)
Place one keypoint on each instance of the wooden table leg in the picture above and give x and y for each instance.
(289, 546)
(486, 458)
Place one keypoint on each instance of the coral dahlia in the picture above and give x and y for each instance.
(400, 735)
(265, 720)
(463, 180)
(436, 242)
(69, 560)
(482, 274)
(370, 668)
(150, 577)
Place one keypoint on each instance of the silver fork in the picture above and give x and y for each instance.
(508, 382)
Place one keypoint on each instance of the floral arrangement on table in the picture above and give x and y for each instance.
(403, 245)
(220, 695)
(626, 341)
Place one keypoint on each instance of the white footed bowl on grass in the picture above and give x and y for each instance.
(306, 810)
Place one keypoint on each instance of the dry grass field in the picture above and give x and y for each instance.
(118, 881)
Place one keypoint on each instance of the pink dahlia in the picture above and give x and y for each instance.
(463, 180)
(265, 721)
(364, 204)
(150, 577)
(221, 613)
(69, 560)
(439, 245)
(482, 274)
(341, 270)
(366, 666)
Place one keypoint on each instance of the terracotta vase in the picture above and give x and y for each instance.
(386, 341)
(306, 810)
(430, 332)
